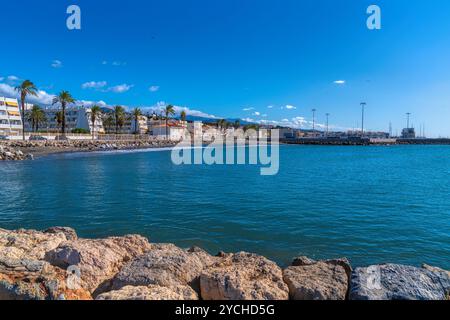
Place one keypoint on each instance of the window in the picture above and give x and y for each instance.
(3, 121)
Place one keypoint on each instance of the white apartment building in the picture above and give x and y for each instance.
(76, 118)
(10, 118)
(173, 132)
(142, 127)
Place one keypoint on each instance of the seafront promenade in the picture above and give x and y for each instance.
(358, 141)
(54, 264)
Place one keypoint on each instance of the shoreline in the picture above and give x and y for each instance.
(29, 150)
(54, 264)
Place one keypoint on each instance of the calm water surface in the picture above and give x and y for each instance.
(371, 204)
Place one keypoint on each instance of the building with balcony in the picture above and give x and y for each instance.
(10, 118)
(76, 118)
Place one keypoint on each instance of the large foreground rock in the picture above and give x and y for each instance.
(322, 280)
(165, 265)
(35, 280)
(97, 260)
(32, 244)
(398, 282)
(152, 292)
(243, 276)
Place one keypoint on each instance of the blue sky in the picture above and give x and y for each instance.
(257, 59)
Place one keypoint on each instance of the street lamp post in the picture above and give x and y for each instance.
(328, 116)
(363, 105)
(407, 119)
(314, 120)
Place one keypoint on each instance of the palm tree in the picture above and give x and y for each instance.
(95, 114)
(183, 116)
(109, 122)
(59, 118)
(169, 111)
(119, 117)
(64, 98)
(137, 113)
(237, 124)
(36, 116)
(25, 89)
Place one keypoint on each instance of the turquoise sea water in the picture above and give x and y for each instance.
(370, 204)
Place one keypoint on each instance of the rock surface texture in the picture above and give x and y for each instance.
(243, 276)
(97, 260)
(54, 264)
(152, 292)
(398, 282)
(323, 280)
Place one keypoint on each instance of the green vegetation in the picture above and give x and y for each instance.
(169, 111)
(119, 118)
(27, 88)
(183, 115)
(136, 114)
(37, 117)
(80, 131)
(95, 115)
(63, 98)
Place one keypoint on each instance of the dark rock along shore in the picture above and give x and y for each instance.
(55, 264)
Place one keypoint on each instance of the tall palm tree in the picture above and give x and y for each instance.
(119, 117)
(183, 116)
(109, 122)
(26, 88)
(63, 98)
(237, 124)
(169, 111)
(95, 114)
(36, 116)
(59, 118)
(137, 113)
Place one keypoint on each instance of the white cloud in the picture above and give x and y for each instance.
(159, 107)
(121, 88)
(269, 107)
(12, 78)
(256, 113)
(87, 103)
(339, 82)
(248, 109)
(56, 64)
(94, 85)
(43, 97)
(119, 63)
(153, 88)
(290, 107)
(104, 62)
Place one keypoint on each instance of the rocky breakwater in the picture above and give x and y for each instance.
(8, 153)
(56, 264)
(24, 150)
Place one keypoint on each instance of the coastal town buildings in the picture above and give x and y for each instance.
(174, 132)
(140, 126)
(10, 118)
(409, 133)
(76, 118)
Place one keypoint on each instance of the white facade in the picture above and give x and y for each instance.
(10, 118)
(142, 127)
(173, 133)
(196, 129)
(76, 118)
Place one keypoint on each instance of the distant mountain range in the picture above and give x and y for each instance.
(214, 120)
